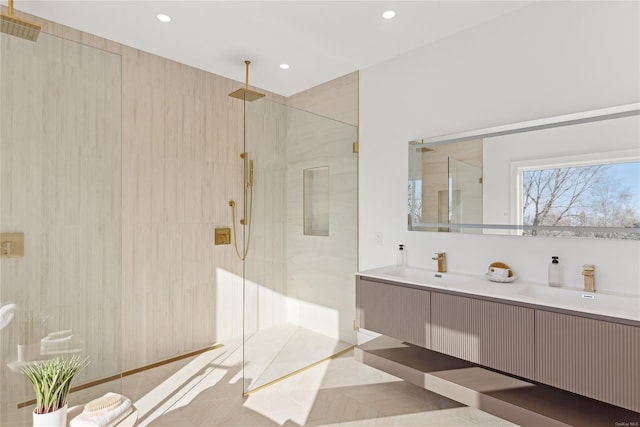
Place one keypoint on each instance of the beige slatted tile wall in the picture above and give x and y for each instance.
(181, 138)
(61, 188)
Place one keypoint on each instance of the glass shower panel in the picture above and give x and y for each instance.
(299, 288)
(60, 186)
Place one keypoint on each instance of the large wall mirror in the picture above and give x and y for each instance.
(571, 176)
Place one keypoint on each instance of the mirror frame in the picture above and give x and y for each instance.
(527, 126)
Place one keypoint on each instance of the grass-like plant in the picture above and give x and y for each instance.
(51, 381)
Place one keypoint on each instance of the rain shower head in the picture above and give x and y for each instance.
(245, 93)
(13, 26)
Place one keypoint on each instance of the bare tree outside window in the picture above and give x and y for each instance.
(415, 201)
(585, 196)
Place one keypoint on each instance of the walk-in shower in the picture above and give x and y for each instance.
(300, 209)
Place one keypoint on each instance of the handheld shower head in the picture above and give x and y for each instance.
(13, 26)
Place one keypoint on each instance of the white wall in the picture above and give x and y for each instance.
(547, 59)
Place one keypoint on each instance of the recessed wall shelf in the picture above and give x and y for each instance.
(316, 201)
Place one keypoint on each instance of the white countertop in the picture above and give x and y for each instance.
(616, 305)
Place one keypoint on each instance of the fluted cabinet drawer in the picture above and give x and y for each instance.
(394, 311)
(590, 357)
(500, 336)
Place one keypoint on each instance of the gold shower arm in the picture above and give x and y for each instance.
(247, 62)
(244, 93)
(18, 27)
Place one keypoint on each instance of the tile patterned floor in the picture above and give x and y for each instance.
(206, 391)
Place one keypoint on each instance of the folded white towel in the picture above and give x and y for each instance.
(48, 344)
(104, 418)
(60, 334)
(124, 415)
(49, 340)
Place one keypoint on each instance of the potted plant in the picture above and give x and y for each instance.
(51, 381)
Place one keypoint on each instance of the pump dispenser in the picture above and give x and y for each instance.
(401, 259)
(555, 272)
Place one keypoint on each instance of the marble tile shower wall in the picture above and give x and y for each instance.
(320, 269)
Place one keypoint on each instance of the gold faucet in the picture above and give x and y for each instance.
(588, 271)
(441, 257)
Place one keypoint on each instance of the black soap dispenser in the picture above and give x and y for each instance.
(401, 258)
(555, 272)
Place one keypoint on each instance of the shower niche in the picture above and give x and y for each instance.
(316, 201)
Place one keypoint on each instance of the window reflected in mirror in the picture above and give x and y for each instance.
(566, 179)
(596, 195)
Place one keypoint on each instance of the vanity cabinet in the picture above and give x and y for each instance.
(394, 310)
(500, 336)
(590, 357)
(586, 354)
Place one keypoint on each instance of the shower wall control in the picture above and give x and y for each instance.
(11, 245)
(223, 236)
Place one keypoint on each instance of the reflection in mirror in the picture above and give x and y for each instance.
(602, 195)
(551, 177)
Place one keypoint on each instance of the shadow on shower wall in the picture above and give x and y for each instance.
(298, 274)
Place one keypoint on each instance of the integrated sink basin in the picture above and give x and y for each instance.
(428, 277)
(603, 303)
(614, 304)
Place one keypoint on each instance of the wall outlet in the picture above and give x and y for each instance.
(379, 239)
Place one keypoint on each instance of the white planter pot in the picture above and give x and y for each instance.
(52, 419)
(28, 352)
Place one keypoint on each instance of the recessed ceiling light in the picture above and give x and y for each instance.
(284, 66)
(389, 14)
(164, 18)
